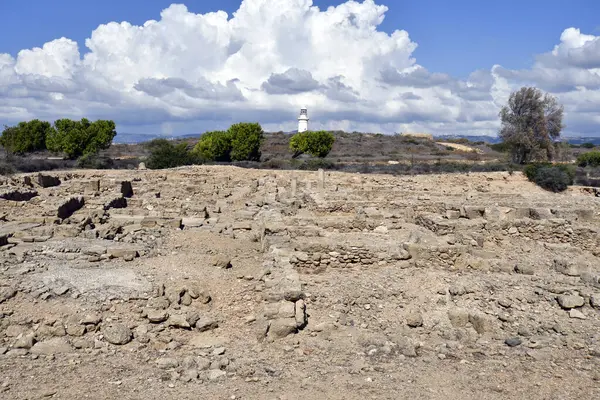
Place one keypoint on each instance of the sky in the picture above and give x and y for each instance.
(437, 66)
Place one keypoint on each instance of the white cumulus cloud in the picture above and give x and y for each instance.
(187, 72)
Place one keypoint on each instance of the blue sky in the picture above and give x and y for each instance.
(455, 37)
(451, 74)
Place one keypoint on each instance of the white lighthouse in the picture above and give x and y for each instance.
(303, 120)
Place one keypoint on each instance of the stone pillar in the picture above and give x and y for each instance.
(294, 187)
(320, 179)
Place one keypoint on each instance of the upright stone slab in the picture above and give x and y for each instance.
(320, 179)
(294, 187)
(126, 189)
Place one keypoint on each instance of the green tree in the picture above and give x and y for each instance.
(531, 121)
(79, 138)
(214, 146)
(315, 143)
(26, 136)
(246, 139)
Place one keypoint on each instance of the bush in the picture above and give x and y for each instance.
(26, 136)
(587, 145)
(94, 161)
(79, 138)
(246, 139)
(164, 154)
(589, 159)
(315, 164)
(551, 177)
(500, 147)
(214, 146)
(315, 143)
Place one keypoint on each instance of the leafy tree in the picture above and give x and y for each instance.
(588, 145)
(26, 136)
(78, 138)
(315, 143)
(214, 146)
(530, 122)
(246, 139)
(589, 159)
(164, 154)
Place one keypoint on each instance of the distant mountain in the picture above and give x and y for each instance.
(472, 138)
(131, 138)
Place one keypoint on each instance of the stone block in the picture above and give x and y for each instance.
(67, 208)
(46, 181)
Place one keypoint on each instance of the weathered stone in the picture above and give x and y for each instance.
(47, 181)
(206, 324)
(282, 327)
(7, 293)
(25, 341)
(178, 321)
(414, 319)
(93, 319)
(156, 316)
(300, 314)
(513, 342)
(67, 208)
(458, 317)
(18, 194)
(186, 299)
(287, 309)
(574, 313)
(524, 269)
(167, 363)
(126, 189)
(221, 261)
(595, 300)
(570, 301)
(481, 322)
(117, 333)
(75, 329)
(52, 346)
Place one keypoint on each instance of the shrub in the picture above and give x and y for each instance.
(315, 164)
(589, 159)
(164, 154)
(246, 139)
(94, 161)
(315, 143)
(26, 136)
(588, 145)
(500, 147)
(214, 146)
(6, 168)
(77, 138)
(551, 177)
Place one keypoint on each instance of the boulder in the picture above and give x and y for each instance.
(52, 346)
(46, 181)
(117, 333)
(570, 301)
(282, 327)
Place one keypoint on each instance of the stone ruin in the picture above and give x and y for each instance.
(387, 266)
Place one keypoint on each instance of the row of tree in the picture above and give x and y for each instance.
(241, 142)
(72, 138)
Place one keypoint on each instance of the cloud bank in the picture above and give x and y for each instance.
(189, 72)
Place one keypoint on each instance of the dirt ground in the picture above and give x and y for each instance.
(228, 283)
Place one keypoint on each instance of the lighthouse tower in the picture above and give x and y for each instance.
(303, 120)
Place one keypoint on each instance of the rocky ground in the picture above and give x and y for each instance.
(228, 283)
